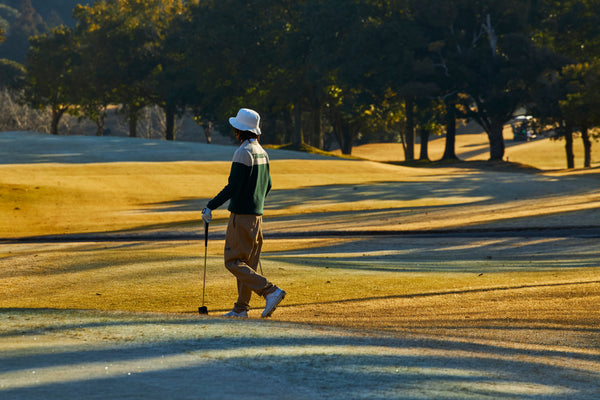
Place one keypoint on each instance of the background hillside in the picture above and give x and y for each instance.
(23, 18)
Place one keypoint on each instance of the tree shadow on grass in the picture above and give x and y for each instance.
(440, 253)
(208, 358)
(81, 258)
(478, 186)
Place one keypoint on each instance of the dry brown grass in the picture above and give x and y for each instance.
(544, 154)
(427, 288)
(547, 293)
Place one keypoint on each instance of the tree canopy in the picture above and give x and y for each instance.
(353, 70)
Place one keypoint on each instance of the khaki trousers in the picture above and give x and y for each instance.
(243, 243)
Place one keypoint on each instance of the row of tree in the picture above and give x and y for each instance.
(350, 68)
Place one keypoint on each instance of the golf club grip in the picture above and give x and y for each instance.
(206, 234)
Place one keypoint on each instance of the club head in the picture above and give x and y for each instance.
(203, 310)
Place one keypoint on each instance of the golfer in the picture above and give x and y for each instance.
(249, 183)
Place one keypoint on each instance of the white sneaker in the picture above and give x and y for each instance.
(273, 300)
(233, 314)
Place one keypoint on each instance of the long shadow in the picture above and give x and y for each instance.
(446, 253)
(473, 188)
(380, 264)
(450, 292)
(474, 185)
(69, 265)
(217, 365)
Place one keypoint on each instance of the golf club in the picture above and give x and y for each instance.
(203, 309)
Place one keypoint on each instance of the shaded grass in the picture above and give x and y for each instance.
(52, 199)
(541, 154)
(56, 199)
(452, 292)
(471, 289)
(305, 148)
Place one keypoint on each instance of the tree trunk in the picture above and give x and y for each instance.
(344, 132)
(409, 152)
(424, 137)
(450, 145)
(170, 122)
(208, 128)
(100, 127)
(348, 135)
(54, 123)
(132, 118)
(496, 141)
(298, 138)
(100, 121)
(569, 147)
(587, 148)
(288, 126)
(57, 113)
(318, 137)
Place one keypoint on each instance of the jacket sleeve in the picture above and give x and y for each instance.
(237, 177)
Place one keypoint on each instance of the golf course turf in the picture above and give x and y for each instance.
(403, 282)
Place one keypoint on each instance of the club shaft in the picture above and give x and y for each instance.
(204, 276)
(205, 255)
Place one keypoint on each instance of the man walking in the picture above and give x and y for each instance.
(248, 185)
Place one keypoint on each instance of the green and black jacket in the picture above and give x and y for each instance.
(249, 181)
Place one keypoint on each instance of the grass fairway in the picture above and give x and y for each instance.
(388, 310)
(403, 285)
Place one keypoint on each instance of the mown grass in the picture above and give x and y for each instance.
(450, 294)
(368, 283)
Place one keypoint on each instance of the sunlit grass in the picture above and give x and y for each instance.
(429, 317)
(440, 294)
(341, 281)
(46, 199)
(543, 153)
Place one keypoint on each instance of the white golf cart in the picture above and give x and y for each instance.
(522, 127)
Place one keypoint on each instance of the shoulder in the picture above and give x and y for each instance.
(250, 153)
(243, 155)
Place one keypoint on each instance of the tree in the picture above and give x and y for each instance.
(485, 48)
(544, 104)
(11, 75)
(49, 78)
(229, 62)
(395, 72)
(171, 79)
(582, 101)
(377, 70)
(93, 89)
(436, 22)
(11, 72)
(429, 121)
(571, 29)
(27, 23)
(133, 57)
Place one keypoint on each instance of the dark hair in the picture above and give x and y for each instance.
(245, 135)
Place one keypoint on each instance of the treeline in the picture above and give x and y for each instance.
(21, 19)
(352, 70)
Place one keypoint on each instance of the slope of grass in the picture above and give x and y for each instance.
(543, 154)
(475, 287)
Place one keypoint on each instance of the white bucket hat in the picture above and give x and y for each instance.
(246, 120)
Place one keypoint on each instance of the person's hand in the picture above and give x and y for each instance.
(207, 215)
